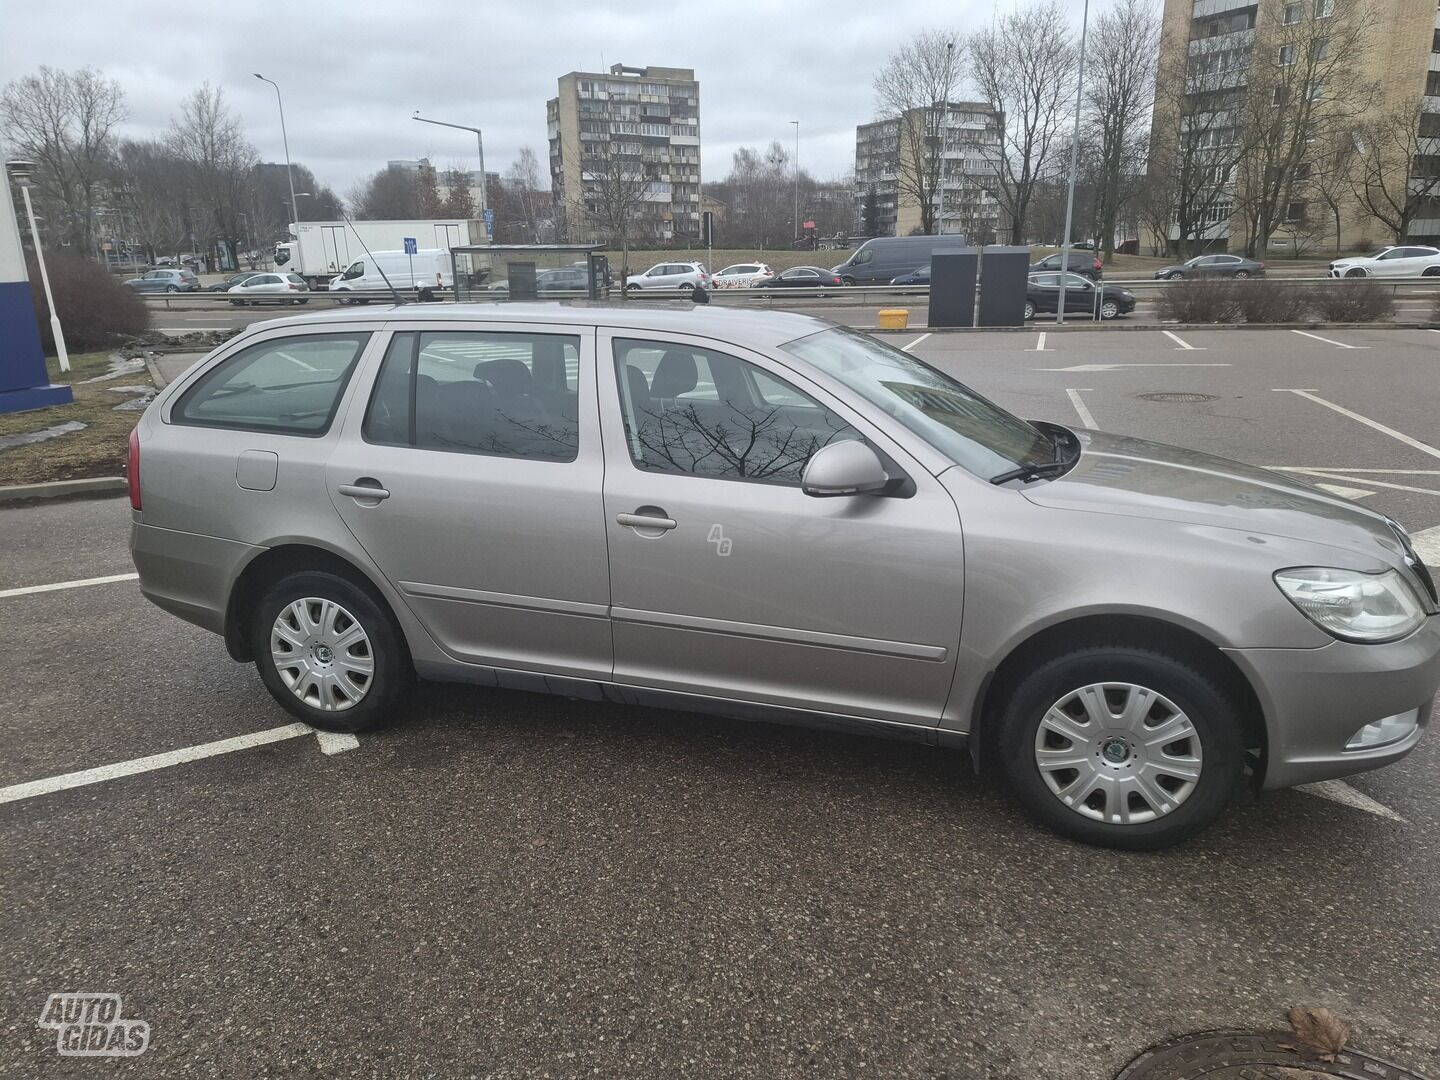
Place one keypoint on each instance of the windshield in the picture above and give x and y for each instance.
(977, 435)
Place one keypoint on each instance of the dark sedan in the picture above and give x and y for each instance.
(1233, 266)
(1082, 297)
(230, 282)
(800, 277)
(915, 277)
(1077, 262)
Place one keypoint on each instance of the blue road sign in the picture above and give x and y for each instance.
(489, 220)
(410, 246)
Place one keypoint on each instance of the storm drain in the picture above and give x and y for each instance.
(1250, 1055)
(1177, 397)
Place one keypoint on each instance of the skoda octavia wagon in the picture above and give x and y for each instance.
(765, 515)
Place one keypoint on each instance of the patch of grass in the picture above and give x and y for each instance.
(99, 450)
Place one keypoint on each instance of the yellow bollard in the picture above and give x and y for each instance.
(893, 318)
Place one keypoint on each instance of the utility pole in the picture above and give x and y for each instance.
(1074, 167)
(797, 178)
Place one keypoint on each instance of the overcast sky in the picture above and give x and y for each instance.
(353, 72)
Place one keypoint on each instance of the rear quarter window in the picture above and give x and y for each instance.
(289, 386)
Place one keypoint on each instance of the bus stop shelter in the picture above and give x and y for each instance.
(529, 272)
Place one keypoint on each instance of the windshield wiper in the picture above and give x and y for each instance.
(1033, 471)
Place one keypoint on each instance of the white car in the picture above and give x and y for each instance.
(1390, 262)
(741, 275)
(684, 276)
(270, 289)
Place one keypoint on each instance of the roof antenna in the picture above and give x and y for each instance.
(399, 300)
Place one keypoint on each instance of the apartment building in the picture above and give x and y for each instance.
(1235, 73)
(891, 170)
(635, 127)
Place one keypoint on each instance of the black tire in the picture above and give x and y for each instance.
(848, 282)
(1355, 271)
(171, 288)
(1212, 713)
(1029, 310)
(685, 286)
(1242, 274)
(1109, 309)
(1430, 271)
(392, 671)
(237, 303)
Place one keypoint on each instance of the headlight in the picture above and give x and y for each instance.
(1354, 606)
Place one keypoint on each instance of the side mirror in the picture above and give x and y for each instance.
(844, 468)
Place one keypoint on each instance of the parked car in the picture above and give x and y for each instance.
(270, 289)
(1042, 294)
(758, 513)
(182, 280)
(881, 258)
(741, 275)
(1231, 266)
(674, 275)
(915, 277)
(565, 281)
(1077, 262)
(799, 277)
(1408, 261)
(230, 282)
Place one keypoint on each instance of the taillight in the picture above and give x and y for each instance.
(132, 468)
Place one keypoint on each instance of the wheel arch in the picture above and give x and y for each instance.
(275, 563)
(1144, 631)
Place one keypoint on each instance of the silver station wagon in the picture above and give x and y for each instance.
(769, 516)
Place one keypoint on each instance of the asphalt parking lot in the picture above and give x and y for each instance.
(507, 885)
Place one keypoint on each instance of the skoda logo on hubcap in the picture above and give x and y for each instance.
(324, 654)
(1115, 751)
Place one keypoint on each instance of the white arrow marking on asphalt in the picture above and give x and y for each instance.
(81, 583)
(1119, 367)
(1341, 792)
(1424, 448)
(1345, 492)
(1427, 546)
(329, 744)
(1080, 409)
(1183, 343)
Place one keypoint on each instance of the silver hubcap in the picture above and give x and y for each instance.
(1109, 310)
(1118, 753)
(322, 654)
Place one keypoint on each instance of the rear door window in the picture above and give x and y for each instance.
(290, 386)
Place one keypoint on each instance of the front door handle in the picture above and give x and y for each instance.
(656, 519)
(364, 488)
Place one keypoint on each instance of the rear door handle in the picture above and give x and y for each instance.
(372, 490)
(644, 521)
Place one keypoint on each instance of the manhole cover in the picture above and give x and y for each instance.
(1250, 1055)
(1164, 396)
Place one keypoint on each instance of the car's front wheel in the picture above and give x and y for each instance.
(1355, 271)
(327, 652)
(1109, 309)
(1122, 746)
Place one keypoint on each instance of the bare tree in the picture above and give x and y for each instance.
(1392, 177)
(1024, 66)
(1302, 86)
(65, 122)
(523, 181)
(914, 88)
(613, 202)
(151, 187)
(208, 139)
(1155, 201)
(1120, 81)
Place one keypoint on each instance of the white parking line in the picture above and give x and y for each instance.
(1341, 792)
(1040, 345)
(1327, 341)
(55, 587)
(1370, 481)
(51, 784)
(917, 341)
(1080, 409)
(1424, 448)
(1182, 342)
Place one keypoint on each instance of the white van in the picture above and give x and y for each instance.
(426, 269)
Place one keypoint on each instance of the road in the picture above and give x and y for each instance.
(506, 885)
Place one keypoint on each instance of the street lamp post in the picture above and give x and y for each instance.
(1074, 165)
(797, 178)
(289, 171)
(60, 352)
(480, 148)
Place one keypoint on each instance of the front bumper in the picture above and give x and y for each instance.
(1315, 700)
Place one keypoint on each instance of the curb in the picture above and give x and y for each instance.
(90, 487)
(155, 376)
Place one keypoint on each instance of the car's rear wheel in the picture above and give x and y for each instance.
(1122, 746)
(686, 286)
(1029, 310)
(1242, 273)
(1109, 309)
(327, 652)
(171, 288)
(1430, 271)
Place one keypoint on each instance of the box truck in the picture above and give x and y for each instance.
(319, 250)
